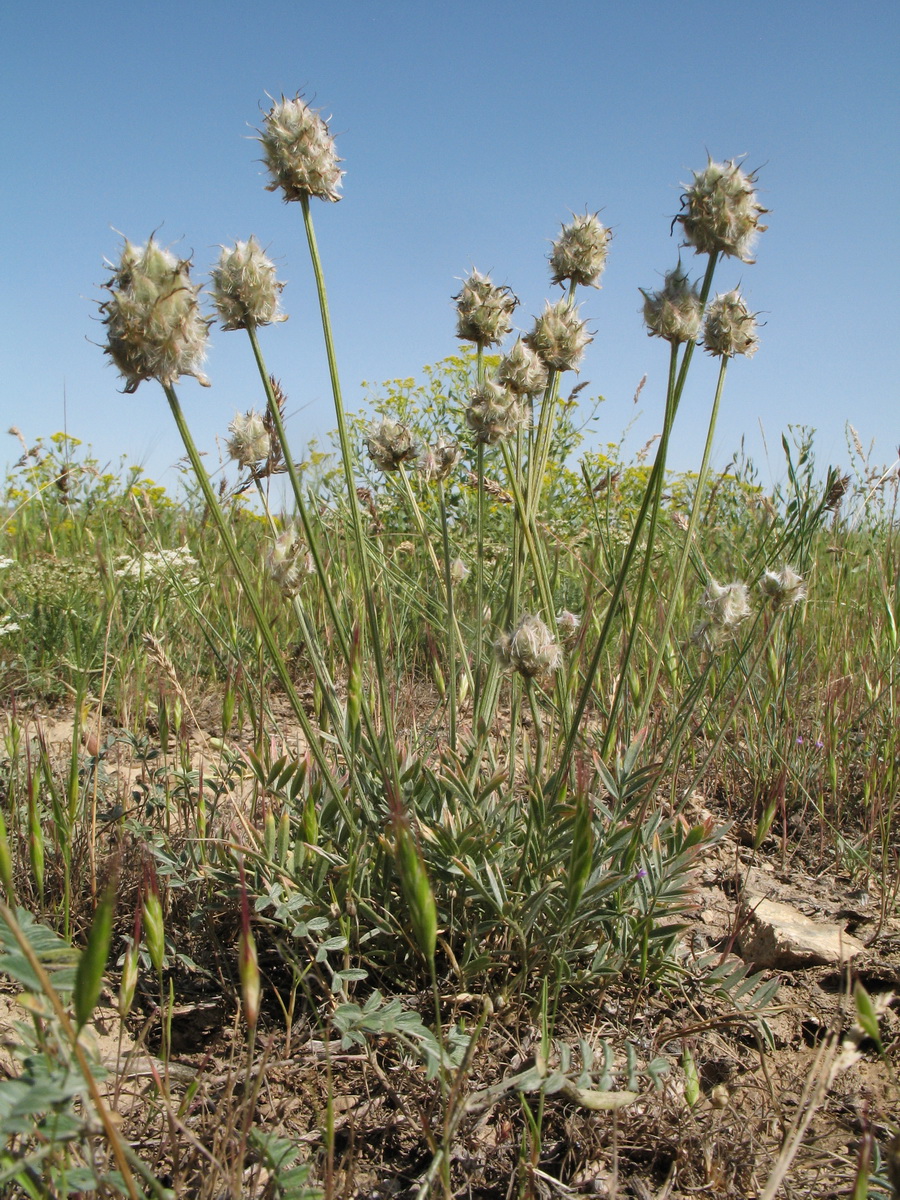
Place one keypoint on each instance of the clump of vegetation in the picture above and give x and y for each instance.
(417, 776)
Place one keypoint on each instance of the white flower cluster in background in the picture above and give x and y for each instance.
(166, 566)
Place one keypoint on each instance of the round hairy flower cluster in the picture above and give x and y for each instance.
(675, 312)
(727, 606)
(459, 572)
(483, 311)
(530, 649)
(154, 329)
(390, 444)
(494, 413)
(783, 588)
(568, 624)
(438, 462)
(249, 442)
(245, 290)
(559, 336)
(721, 213)
(730, 328)
(288, 561)
(579, 253)
(299, 151)
(523, 371)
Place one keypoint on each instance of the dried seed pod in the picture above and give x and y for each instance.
(299, 152)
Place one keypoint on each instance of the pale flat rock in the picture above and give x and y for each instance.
(780, 936)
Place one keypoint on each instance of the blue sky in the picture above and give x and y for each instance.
(470, 132)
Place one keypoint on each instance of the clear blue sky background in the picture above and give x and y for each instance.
(469, 131)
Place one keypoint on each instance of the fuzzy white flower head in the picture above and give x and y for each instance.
(523, 371)
(579, 253)
(568, 624)
(494, 414)
(8, 626)
(727, 604)
(299, 152)
(675, 312)
(6, 562)
(783, 588)
(245, 290)
(559, 336)
(154, 327)
(390, 444)
(530, 649)
(483, 311)
(439, 461)
(459, 572)
(721, 213)
(249, 442)
(289, 562)
(729, 327)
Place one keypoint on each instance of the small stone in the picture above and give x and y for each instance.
(780, 937)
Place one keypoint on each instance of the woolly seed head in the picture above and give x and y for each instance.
(154, 328)
(494, 413)
(730, 328)
(245, 290)
(389, 444)
(299, 152)
(483, 311)
(579, 253)
(675, 312)
(438, 462)
(568, 624)
(249, 442)
(289, 562)
(559, 336)
(530, 649)
(783, 588)
(727, 604)
(720, 211)
(523, 371)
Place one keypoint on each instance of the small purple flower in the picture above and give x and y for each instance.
(642, 873)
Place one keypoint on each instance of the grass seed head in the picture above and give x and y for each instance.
(483, 311)
(730, 328)
(523, 371)
(530, 649)
(494, 414)
(390, 444)
(579, 253)
(299, 152)
(559, 336)
(675, 312)
(249, 443)
(154, 328)
(245, 290)
(720, 211)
